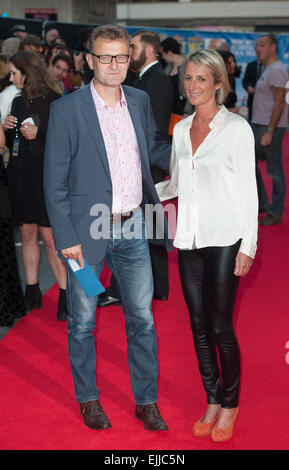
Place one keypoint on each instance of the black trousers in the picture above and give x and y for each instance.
(210, 288)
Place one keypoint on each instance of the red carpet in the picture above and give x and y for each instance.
(38, 408)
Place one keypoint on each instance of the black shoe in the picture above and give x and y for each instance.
(271, 219)
(264, 209)
(151, 417)
(20, 314)
(104, 300)
(160, 297)
(62, 313)
(94, 416)
(32, 298)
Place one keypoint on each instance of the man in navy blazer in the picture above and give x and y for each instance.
(95, 204)
(252, 74)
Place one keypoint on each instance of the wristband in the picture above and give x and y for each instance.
(270, 130)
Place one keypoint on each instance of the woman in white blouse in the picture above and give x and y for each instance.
(212, 172)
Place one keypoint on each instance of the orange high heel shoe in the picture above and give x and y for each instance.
(222, 435)
(204, 429)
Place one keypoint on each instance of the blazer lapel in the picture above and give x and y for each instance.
(138, 127)
(93, 127)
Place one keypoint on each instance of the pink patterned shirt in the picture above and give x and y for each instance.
(122, 152)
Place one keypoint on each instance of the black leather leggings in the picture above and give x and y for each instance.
(210, 288)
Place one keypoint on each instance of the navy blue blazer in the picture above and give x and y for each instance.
(76, 169)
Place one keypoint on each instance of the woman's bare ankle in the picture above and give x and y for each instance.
(211, 413)
(225, 417)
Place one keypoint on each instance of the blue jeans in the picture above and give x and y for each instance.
(129, 260)
(272, 154)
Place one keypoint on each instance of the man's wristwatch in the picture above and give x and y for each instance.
(270, 130)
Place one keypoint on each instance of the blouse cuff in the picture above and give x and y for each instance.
(166, 190)
(248, 248)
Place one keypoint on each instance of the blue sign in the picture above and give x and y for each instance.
(242, 45)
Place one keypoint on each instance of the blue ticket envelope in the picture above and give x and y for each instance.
(86, 278)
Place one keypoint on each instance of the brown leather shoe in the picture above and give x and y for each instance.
(271, 219)
(93, 415)
(151, 417)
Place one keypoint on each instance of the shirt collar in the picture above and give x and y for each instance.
(147, 67)
(219, 118)
(100, 103)
(221, 115)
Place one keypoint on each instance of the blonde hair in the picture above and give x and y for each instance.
(4, 65)
(216, 64)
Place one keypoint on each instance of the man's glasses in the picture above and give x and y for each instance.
(107, 59)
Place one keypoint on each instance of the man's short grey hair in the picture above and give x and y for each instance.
(272, 38)
(109, 31)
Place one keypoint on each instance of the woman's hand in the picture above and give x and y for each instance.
(10, 122)
(29, 131)
(242, 264)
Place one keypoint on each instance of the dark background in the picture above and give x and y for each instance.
(69, 31)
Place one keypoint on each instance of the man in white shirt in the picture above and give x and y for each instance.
(145, 50)
(269, 122)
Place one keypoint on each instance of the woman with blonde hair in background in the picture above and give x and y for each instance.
(26, 128)
(8, 91)
(213, 174)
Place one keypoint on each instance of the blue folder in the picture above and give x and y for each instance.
(86, 278)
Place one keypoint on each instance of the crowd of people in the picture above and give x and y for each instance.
(109, 143)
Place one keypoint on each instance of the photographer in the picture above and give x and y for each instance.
(80, 50)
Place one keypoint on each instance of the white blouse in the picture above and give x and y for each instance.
(216, 187)
(6, 98)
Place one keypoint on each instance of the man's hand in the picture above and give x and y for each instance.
(279, 103)
(243, 264)
(75, 252)
(266, 139)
